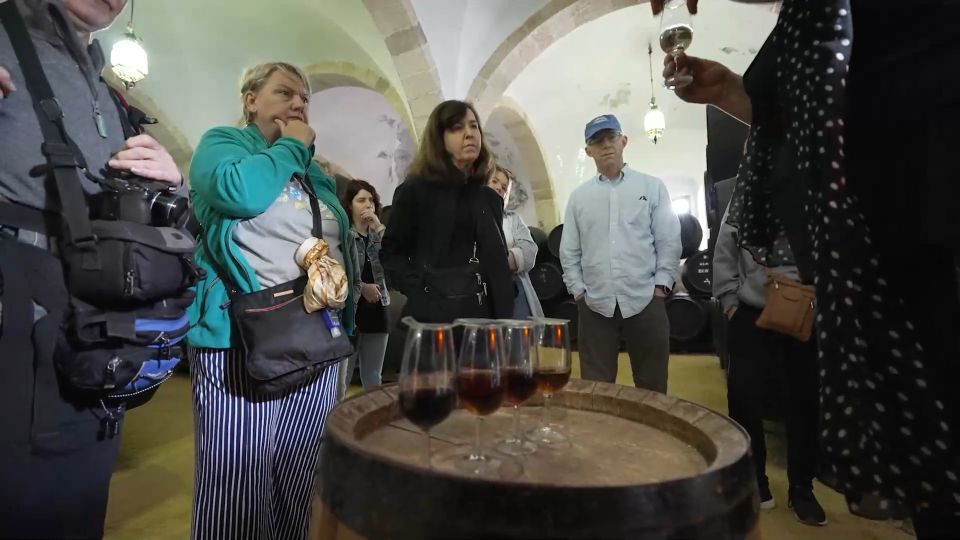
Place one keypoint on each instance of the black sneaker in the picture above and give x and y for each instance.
(767, 502)
(806, 507)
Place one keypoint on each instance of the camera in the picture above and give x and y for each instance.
(127, 197)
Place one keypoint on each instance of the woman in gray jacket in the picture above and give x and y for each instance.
(521, 249)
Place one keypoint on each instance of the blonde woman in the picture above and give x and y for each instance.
(251, 190)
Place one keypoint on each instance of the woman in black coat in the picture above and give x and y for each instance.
(444, 248)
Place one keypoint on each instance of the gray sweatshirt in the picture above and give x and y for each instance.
(736, 276)
(73, 70)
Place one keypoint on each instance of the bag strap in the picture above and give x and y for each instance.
(131, 118)
(62, 155)
(232, 289)
(314, 205)
(30, 219)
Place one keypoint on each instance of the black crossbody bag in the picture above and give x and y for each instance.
(284, 345)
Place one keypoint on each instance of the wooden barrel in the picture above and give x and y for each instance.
(547, 280)
(553, 241)
(539, 238)
(639, 465)
(697, 273)
(689, 316)
(691, 234)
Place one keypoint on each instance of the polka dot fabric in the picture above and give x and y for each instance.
(883, 427)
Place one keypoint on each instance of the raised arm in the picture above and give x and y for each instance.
(237, 183)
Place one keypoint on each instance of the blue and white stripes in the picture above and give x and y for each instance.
(256, 455)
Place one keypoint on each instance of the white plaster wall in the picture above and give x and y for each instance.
(360, 131)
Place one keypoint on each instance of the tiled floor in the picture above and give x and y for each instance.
(151, 489)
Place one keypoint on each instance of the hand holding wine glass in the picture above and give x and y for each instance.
(676, 34)
(711, 80)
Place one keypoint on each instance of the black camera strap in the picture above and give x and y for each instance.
(62, 155)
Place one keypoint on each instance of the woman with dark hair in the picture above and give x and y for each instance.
(362, 203)
(445, 249)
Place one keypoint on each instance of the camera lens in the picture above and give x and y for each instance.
(169, 210)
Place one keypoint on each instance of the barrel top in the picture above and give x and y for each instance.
(619, 436)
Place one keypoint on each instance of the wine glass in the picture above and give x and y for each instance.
(676, 34)
(480, 388)
(519, 366)
(427, 394)
(552, 374)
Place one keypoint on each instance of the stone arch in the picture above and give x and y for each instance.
(404, 38)
(542, 29)
(508, 113)
(326, 75)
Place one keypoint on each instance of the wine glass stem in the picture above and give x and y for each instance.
(426, 448)
(516, 422)
(546, 409)
(676, 53)
(476, 441)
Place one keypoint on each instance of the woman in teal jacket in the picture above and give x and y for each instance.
(256, 453)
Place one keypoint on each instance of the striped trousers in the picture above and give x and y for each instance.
(256, 455)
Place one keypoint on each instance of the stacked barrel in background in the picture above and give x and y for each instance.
(547, 278)
(690, 308)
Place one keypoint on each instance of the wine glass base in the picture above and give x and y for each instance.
(547, 436)
(487, 464)
(516, 447)
(677, 81)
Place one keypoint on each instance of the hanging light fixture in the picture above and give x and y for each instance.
(653, 122)
(127, 58)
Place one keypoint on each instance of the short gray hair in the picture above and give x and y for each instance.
(256, 76)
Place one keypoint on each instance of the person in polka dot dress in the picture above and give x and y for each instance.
(867, 198)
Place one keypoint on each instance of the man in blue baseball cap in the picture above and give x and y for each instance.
(621, 255)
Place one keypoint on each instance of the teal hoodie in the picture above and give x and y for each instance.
(236, 175)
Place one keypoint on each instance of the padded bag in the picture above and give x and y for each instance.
(284, 345)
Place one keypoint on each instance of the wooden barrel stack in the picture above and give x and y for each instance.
(547, 278)
(690, 312)
(639, 465)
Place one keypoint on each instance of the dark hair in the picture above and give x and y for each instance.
(432, 160)
(354, 187)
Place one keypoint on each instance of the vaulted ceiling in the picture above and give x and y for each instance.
(554, 64)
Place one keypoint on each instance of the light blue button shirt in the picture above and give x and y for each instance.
(620, 239)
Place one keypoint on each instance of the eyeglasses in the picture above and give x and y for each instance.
(603, 138)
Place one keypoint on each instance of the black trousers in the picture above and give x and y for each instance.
(754, 354)
(56, 456)
(648, 344)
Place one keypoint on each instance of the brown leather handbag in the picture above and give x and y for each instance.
(790, 309)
